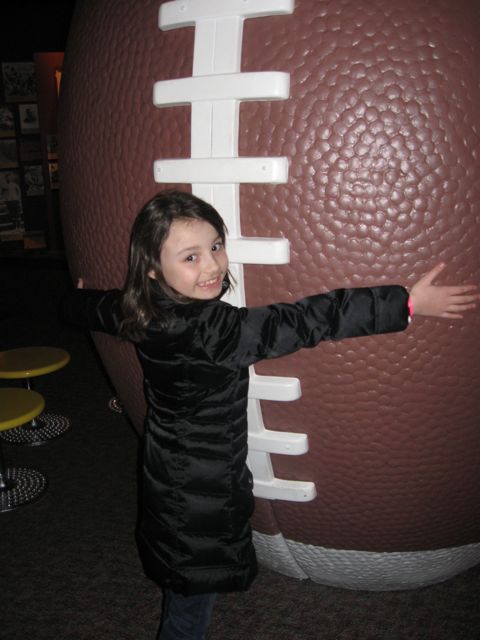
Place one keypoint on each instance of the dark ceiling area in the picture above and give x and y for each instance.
(30, 26)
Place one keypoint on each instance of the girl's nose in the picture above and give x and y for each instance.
(211, 263)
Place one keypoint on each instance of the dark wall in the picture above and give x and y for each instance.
(29, 26)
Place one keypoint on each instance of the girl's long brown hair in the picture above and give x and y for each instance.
(149, 232)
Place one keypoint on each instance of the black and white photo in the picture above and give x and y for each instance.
(33, 178)
(28, 114)
(7, 121)
(11, 209)
(19, 81)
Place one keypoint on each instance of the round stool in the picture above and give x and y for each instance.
(27, 363)
(18, 486)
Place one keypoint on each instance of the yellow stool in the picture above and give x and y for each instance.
(26, 363)
(18, 486)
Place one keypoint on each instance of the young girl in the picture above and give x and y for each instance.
(194, 535)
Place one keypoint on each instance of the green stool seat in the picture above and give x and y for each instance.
(26, 363)
(18, 485)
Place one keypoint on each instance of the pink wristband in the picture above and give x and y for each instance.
(410, 307)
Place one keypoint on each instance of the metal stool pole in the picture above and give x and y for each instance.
(18, 485)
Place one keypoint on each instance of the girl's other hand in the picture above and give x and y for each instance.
(440, 301)
(80, 283)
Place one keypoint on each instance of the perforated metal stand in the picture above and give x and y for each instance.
(39, 431)
(19, 486)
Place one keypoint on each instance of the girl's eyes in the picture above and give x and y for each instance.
(217, 246)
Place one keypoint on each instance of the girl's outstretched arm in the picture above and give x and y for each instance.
(92, 309)
(428, 299)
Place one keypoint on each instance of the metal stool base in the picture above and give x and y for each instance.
(47, 426)
(22, 487)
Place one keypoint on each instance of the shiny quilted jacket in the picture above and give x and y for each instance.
(194, 534)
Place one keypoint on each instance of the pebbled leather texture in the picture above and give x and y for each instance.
(382, 133)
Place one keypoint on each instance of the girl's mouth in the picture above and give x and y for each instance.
(213, 282)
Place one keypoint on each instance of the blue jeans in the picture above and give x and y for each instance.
(185, 617)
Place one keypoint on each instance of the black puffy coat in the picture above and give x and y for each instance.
(194, 534)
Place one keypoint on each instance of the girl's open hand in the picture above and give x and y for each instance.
(440, 301)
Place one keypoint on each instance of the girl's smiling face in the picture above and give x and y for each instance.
(193, 259)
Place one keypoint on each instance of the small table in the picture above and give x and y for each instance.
(27, 363)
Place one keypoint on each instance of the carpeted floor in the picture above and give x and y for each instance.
(69, 566)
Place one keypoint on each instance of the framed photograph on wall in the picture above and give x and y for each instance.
(28, 114)
(8, 153)
(7, 121)
(19, 81)
(11, 208)
(33, 177)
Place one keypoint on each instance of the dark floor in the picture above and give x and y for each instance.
(69, 566)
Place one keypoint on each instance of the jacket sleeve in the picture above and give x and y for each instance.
(241, 337)
(93, 309)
